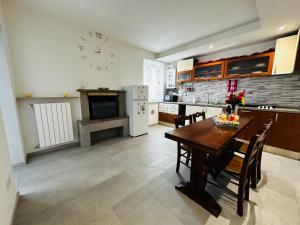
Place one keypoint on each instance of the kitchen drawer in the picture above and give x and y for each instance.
(212, 111)
(173, 109)
(166, 117)
(192, 109)
(163, 107)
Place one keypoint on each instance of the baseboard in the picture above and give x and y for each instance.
(53, 148)
(279, 151)
(166, 124)
(282, 152)
(18, 165)
(13, 216)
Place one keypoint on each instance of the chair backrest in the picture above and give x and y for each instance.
(256, 143)
(198, 114)
(180, 121)
(266, 127)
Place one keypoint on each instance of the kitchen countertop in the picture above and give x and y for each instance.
(277, 109)
(198, 104)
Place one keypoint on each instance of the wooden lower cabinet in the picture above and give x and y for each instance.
(285, 131)
(166, 117)
(259, 118)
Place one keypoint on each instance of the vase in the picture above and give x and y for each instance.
(234, 109)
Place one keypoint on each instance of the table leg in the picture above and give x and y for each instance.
(195, 189)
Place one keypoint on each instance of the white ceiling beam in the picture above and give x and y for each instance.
(251, 26)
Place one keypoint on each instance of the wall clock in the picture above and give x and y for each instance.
(97, 51)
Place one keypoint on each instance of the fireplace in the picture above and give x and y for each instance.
(102, 107)
(103, 115)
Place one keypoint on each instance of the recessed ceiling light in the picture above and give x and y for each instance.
(281, 28)
(211, 46)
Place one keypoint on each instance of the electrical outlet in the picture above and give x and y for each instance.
(8, 183)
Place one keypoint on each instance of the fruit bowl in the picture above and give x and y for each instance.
(226, 120)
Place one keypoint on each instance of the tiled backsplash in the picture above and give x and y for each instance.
(283, 90)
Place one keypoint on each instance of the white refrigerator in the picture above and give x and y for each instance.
(137, 109)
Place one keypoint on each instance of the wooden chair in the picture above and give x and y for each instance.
(242, 168)
(241, 147)
(182, 149)
(198, 114)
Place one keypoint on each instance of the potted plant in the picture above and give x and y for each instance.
(235, 99)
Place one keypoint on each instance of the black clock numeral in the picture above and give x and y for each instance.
(99, 68)
(81, 47)
(98, 35)
(91, 34)
(82, 38)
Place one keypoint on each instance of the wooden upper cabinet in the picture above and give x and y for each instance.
(209, 71)
(184, 76)
(249, 66)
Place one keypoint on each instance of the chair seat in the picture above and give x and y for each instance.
(235, 165)
(239, 146)
(186, 148)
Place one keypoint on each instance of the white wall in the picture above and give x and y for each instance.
(8, 191)
(47, 62)
(7, 101)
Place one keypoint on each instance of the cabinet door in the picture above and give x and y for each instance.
(209, 71)
(153, 114)
(259, 119)
(166, 117)
(185, 76)
(163, 107)
(285, 131)
(184, 65)
(285, 55)
(191, 109)
(250, 66)
(212, 111)
(173, 109)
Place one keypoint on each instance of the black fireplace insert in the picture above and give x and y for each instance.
(102, 107)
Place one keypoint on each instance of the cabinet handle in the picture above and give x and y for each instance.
(245, 111)
(276, 117)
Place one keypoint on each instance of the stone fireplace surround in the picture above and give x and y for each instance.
(86, 126)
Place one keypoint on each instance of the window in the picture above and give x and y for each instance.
(154, 73)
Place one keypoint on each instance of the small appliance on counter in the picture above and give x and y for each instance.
(137, 109)
(170, 98)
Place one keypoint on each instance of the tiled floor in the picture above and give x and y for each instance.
(126, 181)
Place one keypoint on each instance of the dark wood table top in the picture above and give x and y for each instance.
(205, 135)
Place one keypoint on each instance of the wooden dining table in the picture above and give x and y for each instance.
(205, 139)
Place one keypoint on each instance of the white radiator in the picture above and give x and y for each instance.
(54, 123)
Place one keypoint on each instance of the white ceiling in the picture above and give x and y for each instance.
(176, 29)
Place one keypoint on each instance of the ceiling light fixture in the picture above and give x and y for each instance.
(211, 46)
(281, 28)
